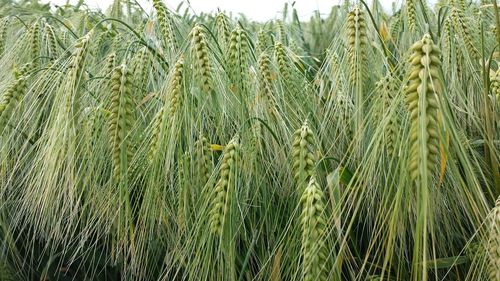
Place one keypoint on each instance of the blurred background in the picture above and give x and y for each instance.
(258, 10)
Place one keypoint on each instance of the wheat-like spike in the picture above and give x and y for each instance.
(167, 115)
(51, 41)
(176, 87)
(155, 133)
(303, 153)
(459, 22)
(75, 71)
(141, 63)
(203, 164)
(165, 21)
(460, 4)
(200, 50)
(424, 85)
(35, 43)
(265, 85)
(110, 63)
(344, 109)
(395, 25)
(493, 246)
(262, 41)
(224, 188)
(447, 40)
(313, 222)
(13, 95)
(99, 41)
(223, 28)
(357, 41)
(238, 56)
(116, 9)
(4, 25)
(388, 89)
(281, 31)
(78, 57)
(283, 61)
(411, 11)
(120, 121)
(333, 73)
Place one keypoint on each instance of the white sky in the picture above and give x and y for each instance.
(260, 10)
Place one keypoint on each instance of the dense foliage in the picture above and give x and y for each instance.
(162, 145)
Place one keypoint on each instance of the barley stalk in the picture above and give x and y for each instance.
(421, 96)
(203, 66)
(411, 11)
(166, 117)
(223, 29)
(51, 40)
(35, 43)
(12, 96)
(120, 121)
(357, 41)
(224, 189)
(303, 154)
(4, 25)
(314, 250)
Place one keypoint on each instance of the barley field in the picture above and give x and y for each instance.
(166, 145)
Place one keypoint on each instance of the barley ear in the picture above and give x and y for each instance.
(224, 189)
(424, 85)
(313, 221)
(303, 152)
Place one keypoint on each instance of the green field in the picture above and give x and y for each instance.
(359, 144)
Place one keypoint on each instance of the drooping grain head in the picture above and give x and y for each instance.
(424, 85)
(13, 95)
(283, 61)
(166, 25)
(395, 27)
(281, 32)
(411, 12)
(200, 50)
(203, 163)
(238, 56)
(4, 25)
(50, 38)
(78, 56)
(224, 189)
(141, 63)
(303, 153)
(167, 116)
(121, 121)
(223, 28)
(461, 25)
(110, 63)
(357, 41)
(175, 87)
(35, 43)
(313, 222)
(265, 85)
(262, 41)
(388, 88)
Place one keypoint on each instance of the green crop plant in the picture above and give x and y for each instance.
(164, 143)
